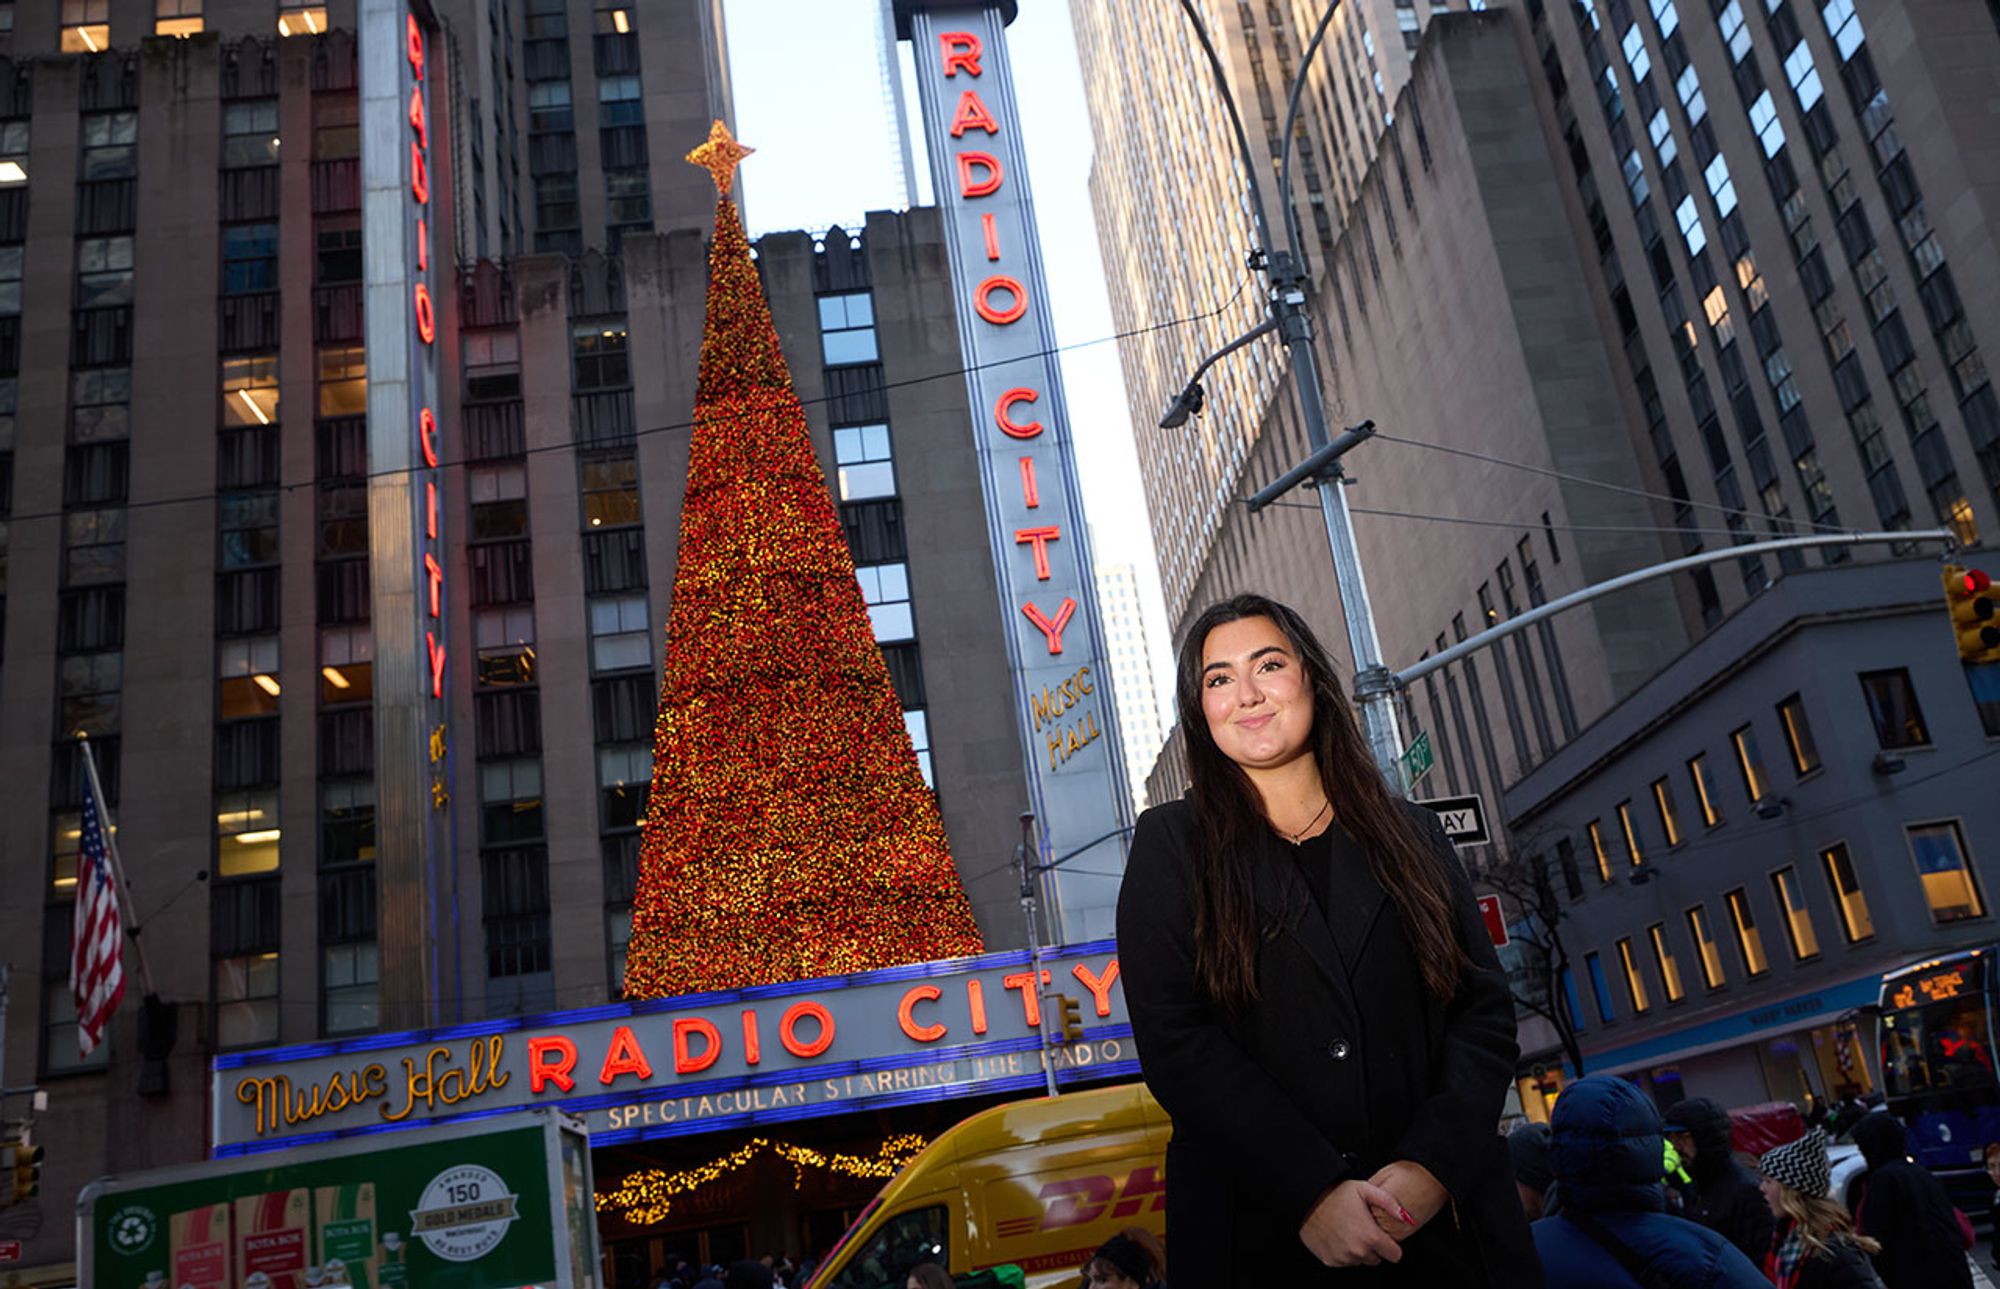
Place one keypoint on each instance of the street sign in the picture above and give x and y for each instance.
(1417, 760)
(10, 1250)
(1496, 925)
(1464, 819)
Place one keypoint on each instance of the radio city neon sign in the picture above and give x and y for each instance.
(1001, 300)
(424, 316)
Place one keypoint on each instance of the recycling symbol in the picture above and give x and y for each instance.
(132, 1229)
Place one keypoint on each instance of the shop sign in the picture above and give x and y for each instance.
(921, 1032)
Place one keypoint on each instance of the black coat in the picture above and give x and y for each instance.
(1329, 1076)
(1722, 1195)
(1907, 1209)
(1842, 1267)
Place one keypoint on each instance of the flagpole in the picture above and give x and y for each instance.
(118, 878)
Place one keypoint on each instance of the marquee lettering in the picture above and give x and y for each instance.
(1041, 537)
(624, 1056)
(751, 1052)
(542, 1071)
(276, 1103)
(975, 998)
(972, 114)
(1029, 493)
(687, 1061)
(991, 232)
(982, 300)
(788, 1030)
(1051, 628)
(1031, 1000)
(974, 185)
(1002, 414)
(961, 49)
(1099, 986)
(906, 1013)
(436, 1082)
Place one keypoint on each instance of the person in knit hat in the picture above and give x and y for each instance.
(1815, 1245)
(1721, 1194)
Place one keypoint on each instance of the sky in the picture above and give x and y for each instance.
(805, 71)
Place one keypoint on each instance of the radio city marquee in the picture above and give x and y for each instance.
(1034, 514)
(929, 1031)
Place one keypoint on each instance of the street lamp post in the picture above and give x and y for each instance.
(1374, 684)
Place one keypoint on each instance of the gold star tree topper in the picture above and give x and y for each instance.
(720, 156)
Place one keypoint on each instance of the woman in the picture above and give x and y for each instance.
(1122, 1262)
(1816, 1245)
(928, 1275)
(1315, 999)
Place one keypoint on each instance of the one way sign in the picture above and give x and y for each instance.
(1464, 819)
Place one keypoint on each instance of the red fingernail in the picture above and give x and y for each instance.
(1404, 1213)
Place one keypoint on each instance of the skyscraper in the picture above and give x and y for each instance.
(1139, 722)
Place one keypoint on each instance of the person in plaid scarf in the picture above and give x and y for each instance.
(1815, 1245)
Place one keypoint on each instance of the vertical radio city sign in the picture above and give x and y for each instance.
(1034, 513)
(400, 187)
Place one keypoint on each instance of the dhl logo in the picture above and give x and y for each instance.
(1078, 1201)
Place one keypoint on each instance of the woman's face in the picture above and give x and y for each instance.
(1773, 1192)
(1254, 694)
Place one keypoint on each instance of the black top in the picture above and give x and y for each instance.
(1344, 1063)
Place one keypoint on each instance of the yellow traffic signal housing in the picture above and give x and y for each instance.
(27, 1172)
(1071, 1015)
(1975, 613)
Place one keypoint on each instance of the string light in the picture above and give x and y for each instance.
(645, 1197)
(789, 833)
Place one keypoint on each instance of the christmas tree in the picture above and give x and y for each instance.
(789, 832)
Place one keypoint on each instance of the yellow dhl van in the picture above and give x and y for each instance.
(1036, 1184)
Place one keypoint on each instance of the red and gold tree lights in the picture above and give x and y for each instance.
(789, 833)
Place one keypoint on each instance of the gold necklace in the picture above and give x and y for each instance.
(1310, 823)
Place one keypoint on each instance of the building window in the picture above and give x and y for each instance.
(93, 547)
(103, 272)
(1798, 735)
(549, 109)
(89, 686)
(1596, 833)
(886, 588)
(497, 501)
(100, 405)
(1706, 951)
(337, 250)
(296, 19)
(250, 134)
(1630, 828)
(347, 822)
(246, 1000)
(598, 351)
(1670, 820)
(110, 148)
(1855, 923)
(1951, 887)
(618, 101)
(176, 17)
(555, 202)
(86, 26)
(336, 126)
(628, 196)
(246, 833)
(547, 19)
(249, 677)
(1798, 918)
(918, 723)
(492, 365)
(62, 1046)
(1749, 940)
(350, 981)
(1751, 762)
(343, 381)
(10, 280)
(1635, 983)
(248, 523)
(866, 468)
(1704, 789)
(1566, 862)
(624, 774)
(610, 490)
(1599, 987)
(249, 258)
(617, 936)
(1892, 705)
(505, 638)
(250, 390)
(1663, 957)
(615, 16)
(847, 328)
(347, 666)
(620, 638)
(510, 799)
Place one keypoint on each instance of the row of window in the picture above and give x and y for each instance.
(1945, 874)
(86, 24)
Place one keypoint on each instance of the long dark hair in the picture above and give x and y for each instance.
(1229, 816)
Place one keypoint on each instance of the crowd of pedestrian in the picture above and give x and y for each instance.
(769, 1272)
(1623, 1198)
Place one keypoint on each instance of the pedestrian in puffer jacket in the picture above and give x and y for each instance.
(1816, 1245)
(1613, 1231)
(1723, 1194)
(1900, 1204)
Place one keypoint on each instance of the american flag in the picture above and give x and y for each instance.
(97, 934)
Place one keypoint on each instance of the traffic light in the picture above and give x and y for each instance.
(24, 1169)
(1975, 613)
(1070, 1016)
